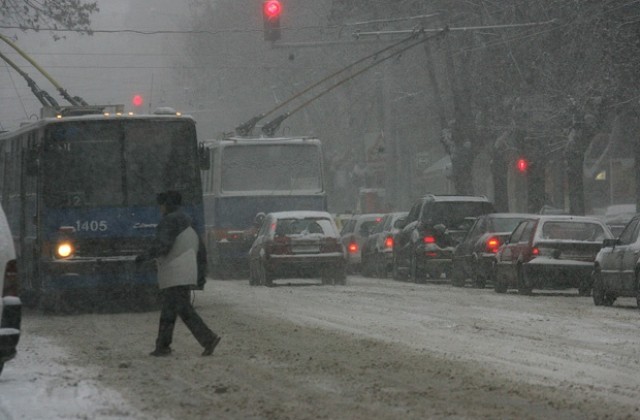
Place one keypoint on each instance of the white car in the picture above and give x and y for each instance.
(10, 304)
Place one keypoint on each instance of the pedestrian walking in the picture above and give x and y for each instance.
(181, 262)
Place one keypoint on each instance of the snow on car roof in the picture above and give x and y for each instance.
(301, 214)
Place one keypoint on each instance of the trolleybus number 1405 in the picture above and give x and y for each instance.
(91, 225)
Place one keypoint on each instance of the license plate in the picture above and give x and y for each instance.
(306, 249)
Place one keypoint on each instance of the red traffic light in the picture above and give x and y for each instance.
(137, 100)
(272, 9)
(522, 165)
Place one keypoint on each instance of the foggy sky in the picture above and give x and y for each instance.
(105, 68)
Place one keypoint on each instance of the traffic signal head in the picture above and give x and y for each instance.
(522, 165)
(137, 100)
(271, 10)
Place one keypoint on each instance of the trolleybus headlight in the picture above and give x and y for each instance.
(64, 250)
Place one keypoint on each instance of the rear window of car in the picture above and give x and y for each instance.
(573, 231)
(368, 226)
(306, 226)
(505, 224)
(348, 227)
(452, 214)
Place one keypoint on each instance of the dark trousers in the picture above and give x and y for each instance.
(176, 301)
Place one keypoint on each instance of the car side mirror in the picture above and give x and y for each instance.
(610, 243)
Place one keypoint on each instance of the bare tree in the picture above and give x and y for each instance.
(47, 14)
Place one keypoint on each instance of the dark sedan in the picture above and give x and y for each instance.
(297, 244)
(377, 250)
(475, 255)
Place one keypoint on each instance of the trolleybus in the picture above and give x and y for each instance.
(248, 176)
(80, 195)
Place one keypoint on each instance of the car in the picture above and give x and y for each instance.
(475, 255)
(354, 234)
(377, 251)
(616, 270)
(297, 244)
(617, 216)
(428, 237)
(10, 304)
(546, 251)
(341, 219)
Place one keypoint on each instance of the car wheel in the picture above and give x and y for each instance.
(608, 299)
(584, 288)
(598, 288)
(254, 278)
(395, 270)
(457, 275)
(479, 280)
(637, 290)
(364, 267)
(266, 279)
(499, 285)
(380, 270)
(339, 276)
(524, 287)
(416, 274)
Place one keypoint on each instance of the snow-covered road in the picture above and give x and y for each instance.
(371, 349)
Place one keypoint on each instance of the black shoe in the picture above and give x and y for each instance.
(210, 347)
(160, 352)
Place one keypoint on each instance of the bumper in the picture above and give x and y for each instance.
(308, 264)
(10, 328)
(432, 256)
(98, 273)
(231, 252)
(354, 258)
(485, 265)
(553, 273)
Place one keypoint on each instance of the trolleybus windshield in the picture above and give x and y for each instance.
(119, 163)
(269, 167)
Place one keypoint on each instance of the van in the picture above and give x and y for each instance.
(10, 304)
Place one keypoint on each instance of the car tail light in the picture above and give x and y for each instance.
(388, 243)
(493, 244)
(11, 287)
(228, 235)
(331, 245)
(353, 247)
(279, 245)
(535, 251)
(429, 239)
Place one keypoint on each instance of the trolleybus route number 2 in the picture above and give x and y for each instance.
(91, 226)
